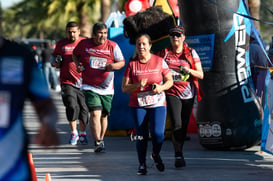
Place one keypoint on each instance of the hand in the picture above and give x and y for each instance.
(56, 64)
(184, 70)
(156, 88)
(142, 83)
(80, 68)
(47, 136)
(109, 67)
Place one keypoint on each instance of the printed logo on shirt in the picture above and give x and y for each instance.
(68, 49)
(98, 51)
(11, 69)
(174, 61)
(146, 72)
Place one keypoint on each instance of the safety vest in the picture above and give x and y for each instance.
(188, 54)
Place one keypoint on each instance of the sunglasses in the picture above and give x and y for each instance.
(175, 34)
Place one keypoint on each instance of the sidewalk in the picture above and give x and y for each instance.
(119, 163)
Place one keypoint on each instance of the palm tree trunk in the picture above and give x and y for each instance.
(1, 14)
(254, 8)
(84, 23)
(105, 9)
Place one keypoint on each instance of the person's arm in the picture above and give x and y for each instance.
(129, 87)
(198, 73)
(54, 63)
(115, 66)
(119, 63)
(168, 83)
(47, 114)
(80, 67)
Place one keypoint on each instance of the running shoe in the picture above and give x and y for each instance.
(74, 139)
(99, 146)
(83, 139)
(142, 170)
(179, 162)
(158, 162)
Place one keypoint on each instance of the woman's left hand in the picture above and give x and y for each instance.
(157, 88)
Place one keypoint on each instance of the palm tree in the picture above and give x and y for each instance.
(254, 8)
(17, 18)
(105, 9)
(85, 12)
(32, 18)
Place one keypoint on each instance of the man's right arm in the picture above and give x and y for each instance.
(54, 63)
(75, 58)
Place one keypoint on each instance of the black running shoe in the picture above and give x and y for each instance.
(99, 147)
(179, 162)
(158, 162)
(142, 170)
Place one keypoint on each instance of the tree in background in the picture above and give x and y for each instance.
(266, 14)
(106, 10)
(47, 19)
(82, 11)
(254, 9)
(23, 19)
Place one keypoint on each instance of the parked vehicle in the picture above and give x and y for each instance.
(36, 44)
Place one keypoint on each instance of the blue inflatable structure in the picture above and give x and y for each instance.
(229, 115)
(120, 116)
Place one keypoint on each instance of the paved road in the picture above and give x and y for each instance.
(119, 163)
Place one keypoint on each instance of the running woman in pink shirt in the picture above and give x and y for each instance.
(146, 77)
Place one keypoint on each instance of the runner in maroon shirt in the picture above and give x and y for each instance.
(97, 58)
(71, 80)
(186, 68)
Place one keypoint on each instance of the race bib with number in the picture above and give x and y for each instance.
(147, 99)
(4, 109)
(98, 63)
(176, 76)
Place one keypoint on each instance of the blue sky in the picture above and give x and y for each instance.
(8, 3)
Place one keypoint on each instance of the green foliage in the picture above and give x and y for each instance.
(266, 14)
(47, 18)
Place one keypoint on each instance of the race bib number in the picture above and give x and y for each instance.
(147, 99)
(98, 63)
(176, 76)
(4, 109)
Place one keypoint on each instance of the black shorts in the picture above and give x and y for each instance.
(74, 102)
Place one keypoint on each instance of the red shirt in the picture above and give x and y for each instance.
(181, 89)
(155, 69)
(68, 70)
(94, 58)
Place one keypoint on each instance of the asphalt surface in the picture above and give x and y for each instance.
(119, 163)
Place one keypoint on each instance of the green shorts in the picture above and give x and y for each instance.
(95, 101)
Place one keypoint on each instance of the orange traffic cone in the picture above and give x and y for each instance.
(47, 177)
(32, 167)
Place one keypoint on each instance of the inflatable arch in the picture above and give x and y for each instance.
(229, 116)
